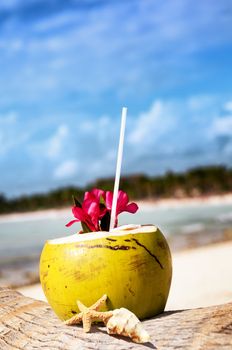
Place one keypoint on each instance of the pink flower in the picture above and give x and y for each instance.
(122, 204)
(95, 195)
(94, 212)
(91, 211)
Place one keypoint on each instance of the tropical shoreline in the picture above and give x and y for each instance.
(189, 201)
(143, 204)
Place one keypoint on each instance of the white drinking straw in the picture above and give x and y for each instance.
(118, 168)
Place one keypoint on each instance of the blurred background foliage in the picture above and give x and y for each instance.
(196, 182)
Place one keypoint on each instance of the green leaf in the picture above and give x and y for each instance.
(76, 202)
(102, 201)
(85, 227)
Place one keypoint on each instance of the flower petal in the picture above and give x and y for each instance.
(131, 208)
(122, 202)
(92, 210)
(91, 207)
(71, 222)
(109, 200)
(91, 225)
(98, 193)
(95, 195)
(79, 213)
(89, 196)
(123, 197)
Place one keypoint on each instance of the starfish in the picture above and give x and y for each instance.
(90, 314)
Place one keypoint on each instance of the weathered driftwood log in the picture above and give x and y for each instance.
(29, 324)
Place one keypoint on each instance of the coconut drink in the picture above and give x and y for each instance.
(131, 264)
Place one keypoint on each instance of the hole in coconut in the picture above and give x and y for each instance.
(129, 227)
(118, 231)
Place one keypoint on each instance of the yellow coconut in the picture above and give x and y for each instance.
(131, 264)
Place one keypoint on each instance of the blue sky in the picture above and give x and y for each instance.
(68, 67)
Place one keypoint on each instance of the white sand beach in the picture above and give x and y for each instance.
(201, 277)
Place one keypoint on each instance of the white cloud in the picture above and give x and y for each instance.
(200, 102)
(221, 126)
(164, 136)
(168, 35)
(12, 45)
(68, 58)
(97, 127)
(8, 118)
(86, 126)
(58, 63)
(66, 169)
(228, 106)
(104, 121)
(11, 134)
(55, 143)
(9, 4)
(151, 124)
(50, 44)
(111, 155)
(57, 21)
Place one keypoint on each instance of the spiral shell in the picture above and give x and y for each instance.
(124, 322)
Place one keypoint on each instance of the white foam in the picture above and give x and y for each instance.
(119, 231)
(190, 228)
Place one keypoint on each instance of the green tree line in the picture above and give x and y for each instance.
(201, 181)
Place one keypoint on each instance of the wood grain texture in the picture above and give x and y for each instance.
(27, 324)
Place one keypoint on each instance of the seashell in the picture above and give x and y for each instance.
(124, 322)
(119, 321)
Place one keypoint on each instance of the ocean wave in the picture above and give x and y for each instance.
(225, 217)
(53, 214)
(190, 228)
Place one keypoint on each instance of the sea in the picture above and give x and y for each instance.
(22, 237)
